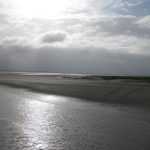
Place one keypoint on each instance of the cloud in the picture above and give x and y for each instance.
(127, 7)
(144, 22)
(3, 18)
(120, 25)
(13, 41)
(75, 60)
(52, 37)
(107, 36)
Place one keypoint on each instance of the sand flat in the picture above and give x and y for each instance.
(32, 120)
(125, 91)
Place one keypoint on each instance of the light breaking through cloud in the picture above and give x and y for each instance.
(86, 36)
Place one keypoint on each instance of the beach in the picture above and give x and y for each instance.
(73, 113)
(98, 89)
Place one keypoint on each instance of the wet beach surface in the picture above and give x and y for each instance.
(118, 89)
(30, 120)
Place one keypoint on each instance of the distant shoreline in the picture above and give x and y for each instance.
(73, 74)
(112, 89)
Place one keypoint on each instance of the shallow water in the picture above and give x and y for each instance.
(31, 120)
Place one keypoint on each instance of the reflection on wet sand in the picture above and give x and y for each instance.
(37, 121)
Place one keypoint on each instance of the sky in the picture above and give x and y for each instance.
(103, 37)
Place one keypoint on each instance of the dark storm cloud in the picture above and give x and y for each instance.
(12, 56)
(75, 60)
(52, 37)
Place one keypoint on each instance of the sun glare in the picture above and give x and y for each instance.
(41, 8)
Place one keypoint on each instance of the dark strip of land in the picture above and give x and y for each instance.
(112, 89)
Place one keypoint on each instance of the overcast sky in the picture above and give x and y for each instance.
(75, 36)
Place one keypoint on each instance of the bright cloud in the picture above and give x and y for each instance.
(88, 35)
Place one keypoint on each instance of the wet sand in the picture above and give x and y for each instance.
(31, 120)
(121, 91)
